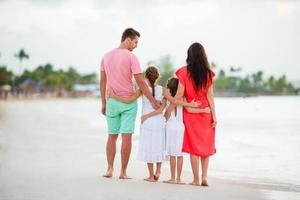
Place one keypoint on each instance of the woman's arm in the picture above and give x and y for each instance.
(156, 112)
(210, 98)
(179, 101)
(128, 100)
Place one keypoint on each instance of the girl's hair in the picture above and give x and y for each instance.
(172, 85)
(152, 75)
(198, 66)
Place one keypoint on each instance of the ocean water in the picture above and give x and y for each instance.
(257, 141)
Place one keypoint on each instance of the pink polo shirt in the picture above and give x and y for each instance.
(119, 66)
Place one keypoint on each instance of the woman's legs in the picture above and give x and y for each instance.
(195, 168)
(204, 166)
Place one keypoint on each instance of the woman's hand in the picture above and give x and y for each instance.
(214, 123)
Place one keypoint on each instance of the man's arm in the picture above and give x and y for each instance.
(143, 87)
(102, 91)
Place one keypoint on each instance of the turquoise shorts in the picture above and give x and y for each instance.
(120, 116)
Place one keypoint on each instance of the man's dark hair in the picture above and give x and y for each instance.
(131, 33)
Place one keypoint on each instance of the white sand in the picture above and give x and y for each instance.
(54, 150)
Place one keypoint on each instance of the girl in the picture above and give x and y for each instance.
(152, 130)
(175, 131)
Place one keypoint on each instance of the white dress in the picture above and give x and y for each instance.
(152, 132)
(174, 133)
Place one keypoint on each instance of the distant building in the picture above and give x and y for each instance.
(85, 90)
(296, 84)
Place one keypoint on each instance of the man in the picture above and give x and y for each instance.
(117, 68)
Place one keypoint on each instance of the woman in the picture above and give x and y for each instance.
(195, 84)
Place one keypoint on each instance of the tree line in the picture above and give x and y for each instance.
(231, 83)
(44, 77)
(226, 83)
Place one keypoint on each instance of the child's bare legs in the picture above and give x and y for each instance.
(204, 166)
(195, 168)
(158, 170)
(151, 175)
(179, 169)
(173, 169)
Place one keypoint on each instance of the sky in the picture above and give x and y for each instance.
(252, 34)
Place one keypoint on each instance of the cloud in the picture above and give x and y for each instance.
(257, 34)
(288, 8)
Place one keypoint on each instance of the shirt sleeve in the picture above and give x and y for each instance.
(180, 75)
(135, 65)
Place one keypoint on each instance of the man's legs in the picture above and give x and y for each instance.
(113, 118)
(110, 154)
(128, 117)
(125, 154)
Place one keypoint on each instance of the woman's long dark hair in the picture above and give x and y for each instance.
(198, 66)
(152, 75)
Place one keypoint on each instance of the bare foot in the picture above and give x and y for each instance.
(171, 181)
(150, 179)
(204, 183)
(178, 181)
(108, 174)
(122, 176)
(156, 176)
(194, 183)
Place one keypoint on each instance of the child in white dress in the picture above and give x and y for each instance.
(152, 131)
(175, 131)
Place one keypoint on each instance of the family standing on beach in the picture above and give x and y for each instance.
(176, 120)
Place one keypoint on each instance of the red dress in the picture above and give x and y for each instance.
(199, 136)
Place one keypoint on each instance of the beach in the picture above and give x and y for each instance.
(55, 149)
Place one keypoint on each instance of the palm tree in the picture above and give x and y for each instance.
(21, 55)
